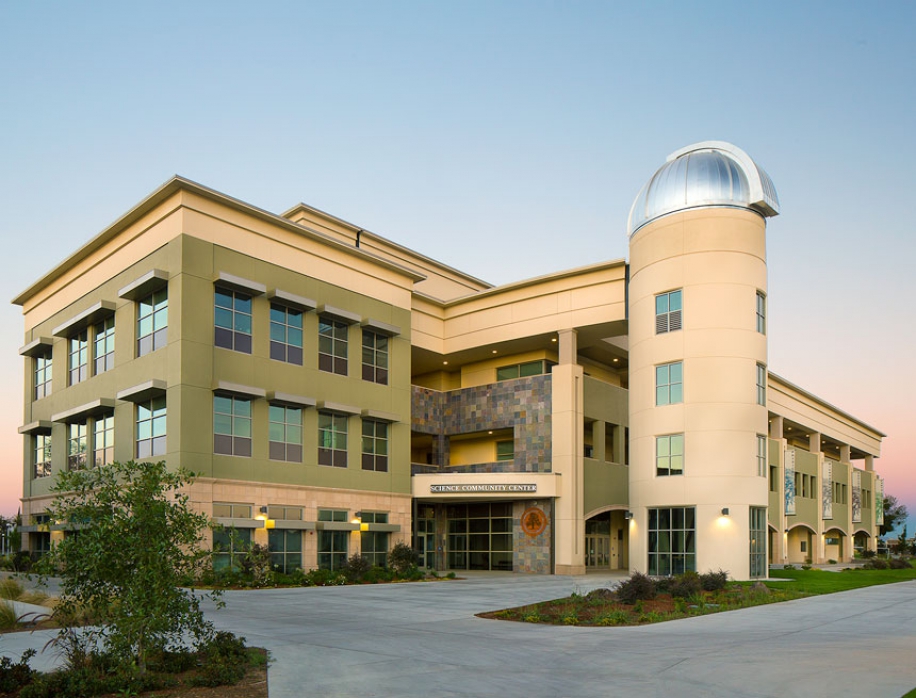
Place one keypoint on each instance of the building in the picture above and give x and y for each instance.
(336, 392)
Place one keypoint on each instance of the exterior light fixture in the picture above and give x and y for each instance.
(357, 518)
(628, 515)
(724, 511)
(262, 514)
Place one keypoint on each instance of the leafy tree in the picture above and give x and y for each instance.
(894, 514)
(133, 538)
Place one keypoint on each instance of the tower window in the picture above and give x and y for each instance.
(668, 312)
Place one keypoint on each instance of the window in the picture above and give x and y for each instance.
(672, 540)
(152, 321)
(669, 383)
(332, 346)
(232, 319)
(285, 334)
(529, 368)
(77, 445)
(104, 345)
(231, 426)
(505, 450)
(373, 545)
(151, 428)
(774, 483)
(285, 433)
(480, 536)
(231, 510)
(375, 445)
(78, 357)
(332, 439)
(43, 374)
(761, 385)
(41, 455)
(336, 515)
(282, 513)
(669, 455)
(761, 313)
(761, 455)
(758, 542)
(103, 441)
(375, 357)
(332, 545)
(285, 548)
(668, 312)
(230, 545)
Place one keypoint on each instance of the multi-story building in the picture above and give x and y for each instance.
(335, 392)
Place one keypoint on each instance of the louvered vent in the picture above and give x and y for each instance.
(674, 320)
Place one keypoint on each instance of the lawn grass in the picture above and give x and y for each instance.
(814, 581)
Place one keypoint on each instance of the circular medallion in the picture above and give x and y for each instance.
(534, 521)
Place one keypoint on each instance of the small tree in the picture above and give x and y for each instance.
(136, 539)
(894, 514)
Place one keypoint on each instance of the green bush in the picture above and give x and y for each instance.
(876, 564)
(402, 558)
(326, 578)
(378, 574)
(14, 676)
(714, 581)
(639, 587)
(356, 567)
(897, 563)
(685, 586)
(225, 661)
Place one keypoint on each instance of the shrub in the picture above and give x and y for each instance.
(685, 586)
(256, 566)
(325, 578)
(225, 661)
(602, 595)
(378, 574)
(868, 554)
(639, 587)
(401, 558)
(356, 567)
(14, 676)
(876, 564)
(714, 581)
(898, 563)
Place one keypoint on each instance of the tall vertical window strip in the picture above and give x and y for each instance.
(669, 383)
(761, 455)
(285, 548)
(285, 334)
(43, 374)
(758, 542)
(332, 439)
(672, 540)
(41, 458)
(332, 346)
(375, 445)
(103, 441)
(232, 320)
(373, 545)
(152, 321)
(231, 426)
(375, 357)
(669, 454)
(151, 428)
(77, 445)
(78, 357)
(761, 385)
(761, 313)
(285, 433)
(668, 312)
(104, 345)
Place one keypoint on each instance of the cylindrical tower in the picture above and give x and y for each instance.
(698, 356)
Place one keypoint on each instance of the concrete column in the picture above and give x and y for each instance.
(814, 442)
(567, 460)
(620, 444)
(845, 453)
(870, 463)
(599, 445)
(568, 346)
(776, 427)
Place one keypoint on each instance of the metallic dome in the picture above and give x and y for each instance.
(711, 173)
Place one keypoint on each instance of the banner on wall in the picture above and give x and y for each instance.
(790, 481)
(827, 488)
(856, 496)
(879, 501)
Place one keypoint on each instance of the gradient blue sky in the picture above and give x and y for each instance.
(507, 139)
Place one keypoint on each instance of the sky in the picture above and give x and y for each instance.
(506, 139)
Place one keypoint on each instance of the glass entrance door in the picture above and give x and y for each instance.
(598, 551)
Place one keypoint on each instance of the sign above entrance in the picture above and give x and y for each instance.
(465, 489)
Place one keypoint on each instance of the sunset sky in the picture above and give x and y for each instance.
(506, 139)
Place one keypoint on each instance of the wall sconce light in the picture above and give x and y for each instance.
(357, 518)
(724, 511)
(628, 515)
(262, 514)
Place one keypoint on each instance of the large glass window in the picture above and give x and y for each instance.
(761, 313)
(480, 536)
(104, 345)
(41, 455)
(285, 433)
(285, 334)
(669, 383)
(761, 455)
(232, 320)
(373, 545)
(672, 540)
(151, 428)
(152, 321)
(669, 454)
(230, 545)
(332, 545)
(77, 445)
(523, 370)
(103, 440)
(285, 549)
(375, 357)
(668, 312)
(231, 426)
(758, 542)
(78, 357)
(505, 450)
(332, 345)
(761, 385)
(42, 368)
(375, 445)
(332, 439)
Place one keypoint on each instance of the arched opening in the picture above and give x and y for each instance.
(861, 541)
(800, 545)
(835, 545)
(607, 541)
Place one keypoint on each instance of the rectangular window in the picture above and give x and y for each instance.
(523, 370)
(41, 455)
(282, 513)
(78, 357)
(232, 320)
(761, 455)
(103, 349)
(332, 345)
(373, 545)
(42, 369)
(667, 312)
(103, 441)
(375, 445)
(285, 334)
(332, 549)
(761, 313)
(669, 383)
(774, 483)
(332, 439)
(285, 549)
(230, 545)
(505, 450)
(338, 515)
(151, 428)
(758, 542)
(761, 385)
(152, 321)
(375, 357)
(669, 454)
(231, 510)
(231, 426)
(285, 433)
(77, 445)
(672, 541)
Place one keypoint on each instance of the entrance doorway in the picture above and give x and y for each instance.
(606, 541)
(425, 537)
(598, 551)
